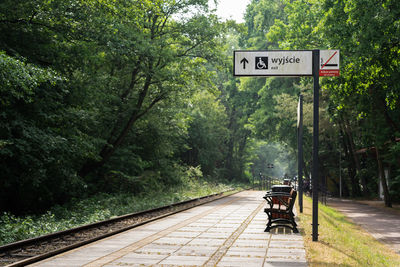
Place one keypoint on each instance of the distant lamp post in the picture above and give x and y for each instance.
(270, 166)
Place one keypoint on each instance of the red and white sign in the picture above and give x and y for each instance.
(329, 60)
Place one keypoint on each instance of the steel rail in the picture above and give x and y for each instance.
(32, 241)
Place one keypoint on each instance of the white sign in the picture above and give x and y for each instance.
(329, 62)
(272, 63)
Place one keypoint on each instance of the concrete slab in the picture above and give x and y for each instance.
(193, 229)
(258, 243)
(286, 237)
(218, 235)
(237, 261)
(141, 258)
(286, 244)
(285, 263)
(289, 253)
(196, 251)
(212, 242)
(185, 260)
(255, 236)
(158, 249)
(172, 241)
(253, 252)
(187, 234)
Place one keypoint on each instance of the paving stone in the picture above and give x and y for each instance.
(260, 225)
(187, 234)
(286, 244)
(63, 263)
(238, 261)
(285, 263)
(97, 250)
(210, 220)
(286, 237)
(221, 230)
(172, 241)
(247, 252)
(222, 235)
(193, 229)
(258, 228)
(185, 260)
(227, 225)
(206, 242)
(201, 224)
(255, 236)
(286, 252)
(141, 258)
(160, 249)
(249, 230)
(235, 219)
(196, 251)
(250, 243)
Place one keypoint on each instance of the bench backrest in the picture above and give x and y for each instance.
(287, 199)
(292, 199)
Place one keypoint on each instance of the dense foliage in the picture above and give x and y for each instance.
(359, 110)
(137, 96)
(106, 96)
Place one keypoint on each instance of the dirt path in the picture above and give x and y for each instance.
(382, 223)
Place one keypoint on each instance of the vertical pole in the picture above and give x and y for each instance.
(300, 153)
(315, 164)
(340, 172)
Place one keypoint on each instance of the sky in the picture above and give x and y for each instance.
(231, 9)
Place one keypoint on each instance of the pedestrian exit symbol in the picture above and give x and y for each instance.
(261, 63)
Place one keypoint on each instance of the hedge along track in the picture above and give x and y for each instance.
(36, 249)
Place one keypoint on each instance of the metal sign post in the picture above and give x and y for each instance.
(315, 162)
(300, 151)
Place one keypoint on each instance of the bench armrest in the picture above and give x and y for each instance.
(277, 194)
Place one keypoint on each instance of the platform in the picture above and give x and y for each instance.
(226, 232)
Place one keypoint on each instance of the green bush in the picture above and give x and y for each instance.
(99, 207)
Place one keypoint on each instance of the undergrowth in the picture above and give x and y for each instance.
(99, 207)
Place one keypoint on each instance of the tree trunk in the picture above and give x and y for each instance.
(386, 195)
(355, 187)
(349, 133)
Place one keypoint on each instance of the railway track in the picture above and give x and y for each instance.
(35, 249)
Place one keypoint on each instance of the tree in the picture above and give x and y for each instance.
(93, 77)
(367, 35)
(168, 57)
(207, 134)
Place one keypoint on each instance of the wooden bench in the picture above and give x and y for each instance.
(280, 210)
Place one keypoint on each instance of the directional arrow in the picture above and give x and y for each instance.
(244, 61)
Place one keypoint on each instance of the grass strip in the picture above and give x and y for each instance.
(341, 242)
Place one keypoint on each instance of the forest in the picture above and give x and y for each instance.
(135, 96)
